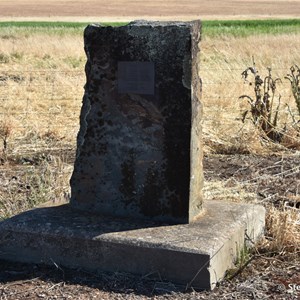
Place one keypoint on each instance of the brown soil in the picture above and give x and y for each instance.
(273, 179)
(173, 9)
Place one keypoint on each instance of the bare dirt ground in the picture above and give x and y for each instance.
(155, 9)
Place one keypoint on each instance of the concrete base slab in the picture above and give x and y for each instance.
(196, 254)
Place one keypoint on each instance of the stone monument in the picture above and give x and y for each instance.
(138, 169)
(139, 151)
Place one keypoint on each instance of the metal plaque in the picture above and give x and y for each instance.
(136, 77)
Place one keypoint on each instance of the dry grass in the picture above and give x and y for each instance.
(223, 61)
(283, 234)
(30, 182)
(41, 86)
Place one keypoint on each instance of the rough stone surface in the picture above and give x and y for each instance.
(139, 149)
(197, 254)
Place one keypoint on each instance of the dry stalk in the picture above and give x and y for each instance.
(294, 78)
(261, 105)
(283, 231)
(5, 133)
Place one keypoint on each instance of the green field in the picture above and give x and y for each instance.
(210, 28)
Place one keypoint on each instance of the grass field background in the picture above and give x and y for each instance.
(42, 67)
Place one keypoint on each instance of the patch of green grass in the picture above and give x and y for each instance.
(74, 62)
(213, 28)
(11, 29)
(243, 28)
(17, 56)
(38, 24)
(4, 58)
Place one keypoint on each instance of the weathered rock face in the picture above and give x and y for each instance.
(139, 151)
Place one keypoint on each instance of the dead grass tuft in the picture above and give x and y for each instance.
(282, 231)
(294, 78)
(6, 129)
(32, 181)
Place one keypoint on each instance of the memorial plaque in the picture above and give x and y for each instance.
(136, 77)
(139, 151)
